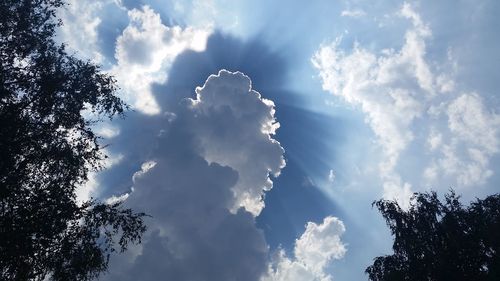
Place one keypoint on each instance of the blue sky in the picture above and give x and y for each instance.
(262, 131)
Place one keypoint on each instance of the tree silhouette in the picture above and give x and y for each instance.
(441, 241)
(47, 149)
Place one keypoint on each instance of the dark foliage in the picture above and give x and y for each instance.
(47, 149)
(441, 241)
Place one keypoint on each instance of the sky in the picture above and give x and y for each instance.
(260, 132)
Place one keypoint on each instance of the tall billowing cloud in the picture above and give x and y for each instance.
(405, 96)
(231, 127)
(203, 185)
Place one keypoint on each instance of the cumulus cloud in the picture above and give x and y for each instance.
(313, 251)
(233, 122)
(398, 89)
(203, 186)
(144, 52)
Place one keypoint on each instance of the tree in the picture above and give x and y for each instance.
(441, 241)
(47, 149)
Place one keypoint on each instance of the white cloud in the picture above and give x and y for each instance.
(471, 140)
(353, 13)
(471, 122)
(320, 243)
(434, 140)
(79, 30)
(86, 191)
(402, 93)
(116, 199)
(474, 139)
(249, 123)
(107, 131)
(314, 250)
(331, 176)
(388, 88)
(145, 50)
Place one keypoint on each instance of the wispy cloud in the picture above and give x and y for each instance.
(402, 93)
(353, 13)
